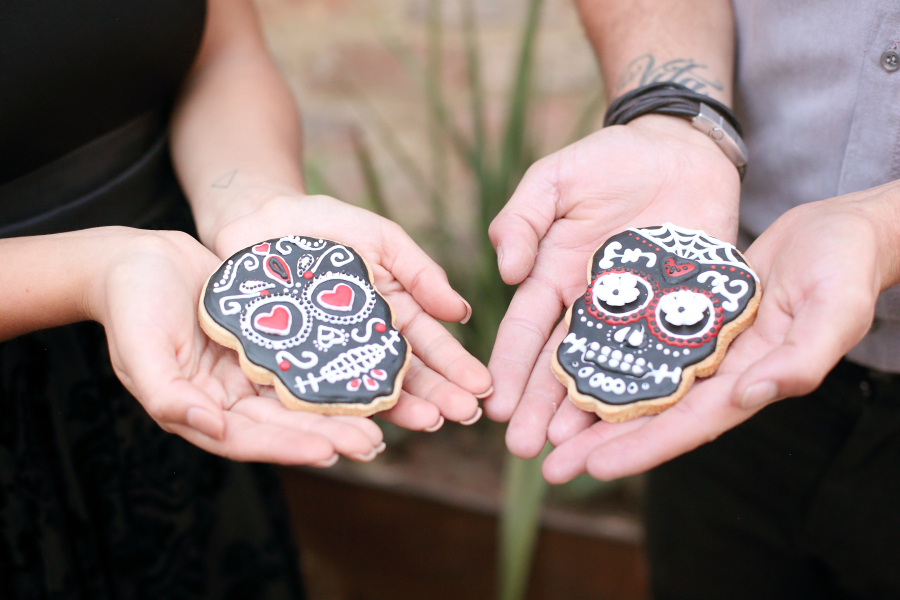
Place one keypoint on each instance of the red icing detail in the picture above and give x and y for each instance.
(308, 275)
(340, 297)
(733, 269)
(261, 248)
(277, 321)
(284, 365)
(379, 373)
(264, 293)
(380, 327)
(354, 385)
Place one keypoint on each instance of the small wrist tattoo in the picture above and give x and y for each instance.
(644, 70)
(225, 180)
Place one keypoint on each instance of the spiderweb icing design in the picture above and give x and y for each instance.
(694, 245)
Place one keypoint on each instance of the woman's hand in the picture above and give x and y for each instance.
(822, 266)
(653, 170)
(145, 292)
(444, 380)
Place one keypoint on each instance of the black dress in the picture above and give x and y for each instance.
(96, 501)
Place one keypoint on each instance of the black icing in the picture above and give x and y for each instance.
(599, 372)
(252, 305)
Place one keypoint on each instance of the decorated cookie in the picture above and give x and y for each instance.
(661, 307)
(304, 316)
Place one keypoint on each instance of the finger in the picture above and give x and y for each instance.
(347, 435)
(518, 229)
(521, 336)
(454, 403)
(414, 413)
(423, 278)
(438, 349)
(700, 417)
(569, 460)
(247, 440)
(568, 422)
(527, 431)
(814, 343)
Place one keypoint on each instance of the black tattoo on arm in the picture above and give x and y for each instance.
(225, 180)
(643, 70)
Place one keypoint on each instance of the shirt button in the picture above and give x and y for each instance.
(890, 60)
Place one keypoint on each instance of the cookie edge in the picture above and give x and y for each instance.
(264, 376)
(619, 413)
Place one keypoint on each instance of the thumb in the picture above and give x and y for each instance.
(813, 344)
(518, 229)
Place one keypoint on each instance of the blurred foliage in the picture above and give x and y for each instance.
(496, 160)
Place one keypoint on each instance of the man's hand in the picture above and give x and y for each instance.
(653, 170)
(444, 380)
(822, 266)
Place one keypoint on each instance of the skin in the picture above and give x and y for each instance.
(821, 259)
(236, 146)
(817, 261)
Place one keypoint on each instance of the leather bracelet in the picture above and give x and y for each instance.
(707, 115)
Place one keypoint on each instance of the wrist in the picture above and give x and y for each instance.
(231, 197)
(683, 131)
(268, 216)
(881, 206)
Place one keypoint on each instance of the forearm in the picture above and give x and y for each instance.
(236, 137)
(49, 280)
(639, 42)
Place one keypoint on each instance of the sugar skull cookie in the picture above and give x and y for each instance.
(661, 307)
(304, 316)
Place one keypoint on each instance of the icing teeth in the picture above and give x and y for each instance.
(637, 370)
(617, 354)
(601, 358)
(614, 363)
(605, 351)
(595, 346)
(629, 358)
(640, 362)
(626, 366)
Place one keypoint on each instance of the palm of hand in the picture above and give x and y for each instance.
(444, 378)
(815, 263)
(194, 387)
(568, 203)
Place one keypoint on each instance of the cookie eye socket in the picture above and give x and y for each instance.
(621, 293)
(684, 313)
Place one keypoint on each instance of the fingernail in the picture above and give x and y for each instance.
(327, 463)
(499, 257)
(380, 448)
(370, 455)
(759, 394)
(436, 426)
(484, 395)
(468, 311)
(205, 422)
(474, 419)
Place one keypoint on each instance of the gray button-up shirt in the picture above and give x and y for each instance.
(818, 94)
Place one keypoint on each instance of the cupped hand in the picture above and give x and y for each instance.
(821, 266)
(146, 298)
(653, 170)
(444, 381)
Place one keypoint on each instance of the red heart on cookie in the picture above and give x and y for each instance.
(340, 297)
(277, 321)
(261, 248)
(677, 271)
